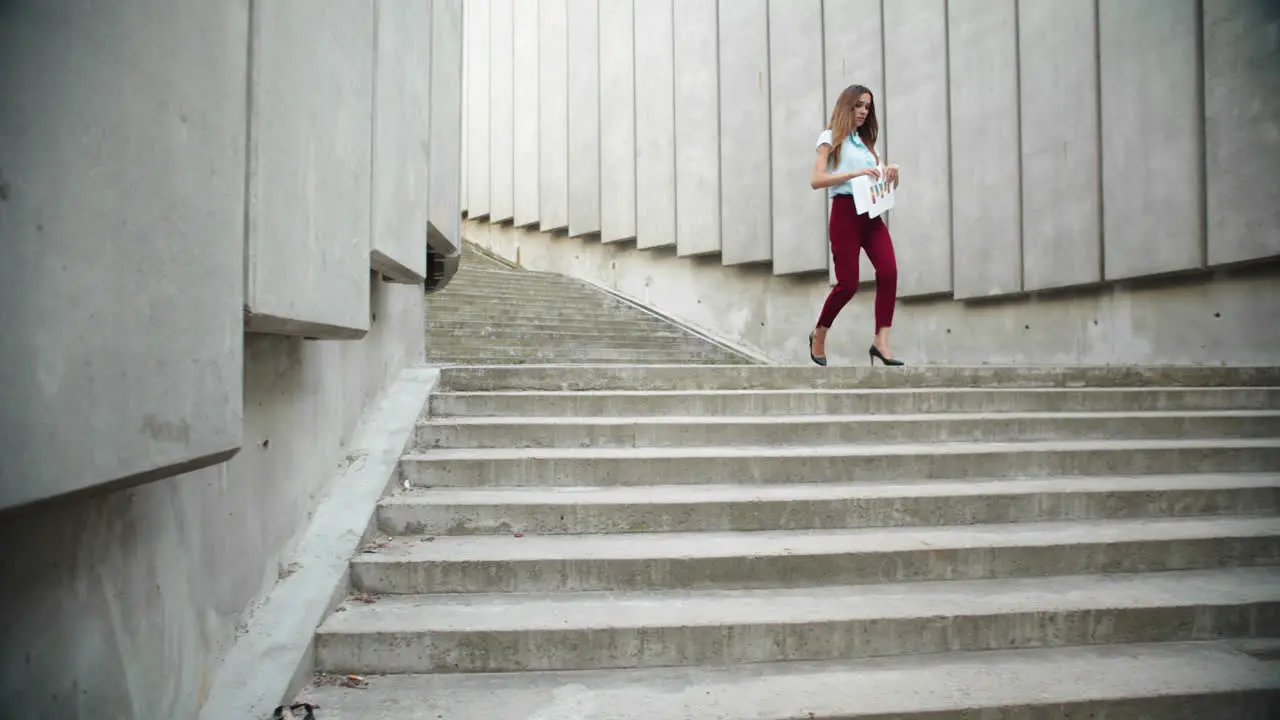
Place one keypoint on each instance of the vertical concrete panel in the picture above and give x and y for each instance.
(915, 103)
(525, 92)
(553, 115)
(501, 112)
(853, 45)
(617, 121)
(122, 159)
(1058, 87)
(697, 87)
(796, 92)
(746, 207)
(401, 128)
(311, 144)
(655, 124)
(584, 117)
(444, 229)
(466, 112)
(1152, 147)
(478, 139)
(1242, 128)
(986, 157)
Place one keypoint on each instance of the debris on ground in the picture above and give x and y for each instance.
(354, 682)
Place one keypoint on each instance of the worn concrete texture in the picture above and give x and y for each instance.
(100, 227)
(310, 168)
(1172, 681)
(1221, 318)
(127, 603)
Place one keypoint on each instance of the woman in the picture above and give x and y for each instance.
(853, 122)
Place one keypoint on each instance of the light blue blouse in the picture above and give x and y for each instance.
(854, 155)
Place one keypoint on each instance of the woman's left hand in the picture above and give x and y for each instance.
(891, 174)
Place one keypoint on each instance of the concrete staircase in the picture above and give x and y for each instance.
(492, 313)
(786, 543)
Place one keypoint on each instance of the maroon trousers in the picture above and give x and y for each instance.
(851, 233)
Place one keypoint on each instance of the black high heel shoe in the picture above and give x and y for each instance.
(819, 360)
(874, 352)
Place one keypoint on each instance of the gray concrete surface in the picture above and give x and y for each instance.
(525, 93)
(502, 115)
(660, 403)
(101, 227)
(796, 107)
(697, 109)
(813, 558)
(1242, 104)
(618, 147)
(131, 600)
(915, 104)
(584, 116)
(592, 466)
(986, 153)
(1191, 681)
(553, 115)
(746, 212)
(816, 430)
(491, 316)
(655, 125)
(274, 647)
(731, 527)
(1152, 149)
(945, 379)
(504, 633)
(401, 183)
(123, 191)
(1061, 184)
(714, 508)
(302, 198)
(477, 108)
(1227, 317)
(446, 142)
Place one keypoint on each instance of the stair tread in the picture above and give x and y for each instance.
(810, 419)
(701, 545)
(846, 450)
(871, 688)
(603, 610)
(770, 392)
(682, 494)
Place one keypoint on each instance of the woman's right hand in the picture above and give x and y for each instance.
(874, 173)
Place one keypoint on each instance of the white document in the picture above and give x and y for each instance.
(872, 197)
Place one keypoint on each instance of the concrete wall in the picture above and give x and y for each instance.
(1046, 146)
(186, 189)
(1223, 317)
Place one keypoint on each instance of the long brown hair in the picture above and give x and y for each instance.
(843, 121)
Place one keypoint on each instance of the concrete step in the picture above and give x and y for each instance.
(447, 359)
(598, 467)
(1167, 681)
(569, 351)
(845, 402)
(519, 300)
(792, 559)
(676, 431)
(724, 508)
(554, 325)
(464, 341)
(485, 313)
(550, 292)
(655, 333)
(811, 377)
(588, 631)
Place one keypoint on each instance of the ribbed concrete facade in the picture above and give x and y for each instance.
(1109, 160)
